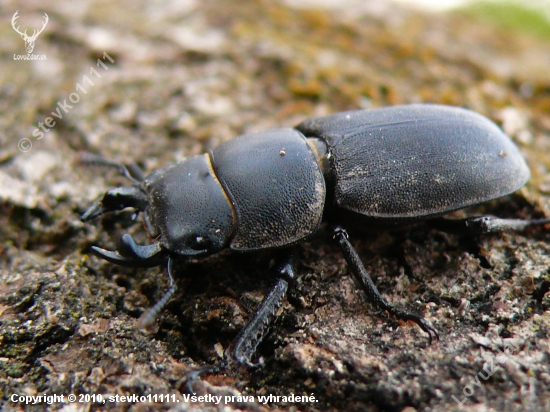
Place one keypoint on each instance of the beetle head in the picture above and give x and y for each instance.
(188, 209)
(185, 210)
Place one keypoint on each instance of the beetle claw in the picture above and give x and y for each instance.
(422, 324)
(432, 333)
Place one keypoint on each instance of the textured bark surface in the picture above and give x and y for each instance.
(189, 75)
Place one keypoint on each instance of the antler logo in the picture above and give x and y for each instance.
(29, 40)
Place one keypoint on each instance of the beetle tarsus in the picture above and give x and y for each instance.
(244, 346)
(194, 375)
(368, 286)
(490, 224)
(420, 321)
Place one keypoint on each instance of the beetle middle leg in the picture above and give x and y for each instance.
(360, 273)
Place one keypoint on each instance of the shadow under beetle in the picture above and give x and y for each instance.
(385, 167)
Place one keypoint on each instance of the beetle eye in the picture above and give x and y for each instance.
(199, 243)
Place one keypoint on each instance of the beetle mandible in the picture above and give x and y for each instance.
(378, 168)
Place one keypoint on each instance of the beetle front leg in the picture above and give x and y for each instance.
(244, 346)
(148, 317)
(366, 283)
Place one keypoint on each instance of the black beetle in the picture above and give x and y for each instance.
(377, 168)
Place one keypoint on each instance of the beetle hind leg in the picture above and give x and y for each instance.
(484, 224)
(366, 283)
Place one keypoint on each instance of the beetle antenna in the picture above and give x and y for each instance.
(149, 316)
(131, 171)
